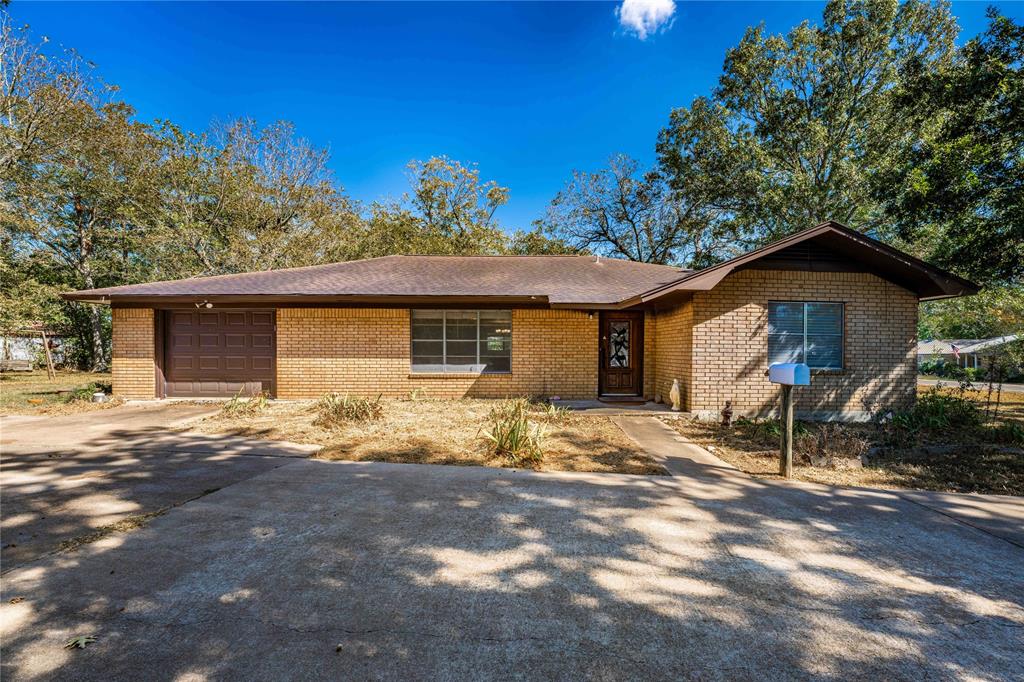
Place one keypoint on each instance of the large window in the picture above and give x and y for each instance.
(811, 333)
(462, 341)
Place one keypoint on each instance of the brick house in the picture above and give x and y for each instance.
(577, 327)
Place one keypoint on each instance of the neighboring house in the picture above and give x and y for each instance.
(22, 347)
(967, 353)
(575, 327)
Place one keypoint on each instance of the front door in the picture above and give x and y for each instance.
(621, 352)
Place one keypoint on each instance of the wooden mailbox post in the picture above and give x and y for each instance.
(788, 375)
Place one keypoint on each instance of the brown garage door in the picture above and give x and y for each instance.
(219, 353)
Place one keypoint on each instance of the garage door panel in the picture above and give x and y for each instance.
(182, 362)
(262, 341)
(219, 353)
(236, 362)
(259, 363)
(209, 362)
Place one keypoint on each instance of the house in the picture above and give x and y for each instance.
(576, 327)
(967, 353)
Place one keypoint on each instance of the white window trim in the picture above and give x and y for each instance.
(417, 369)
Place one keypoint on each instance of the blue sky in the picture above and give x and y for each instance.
(529, 91)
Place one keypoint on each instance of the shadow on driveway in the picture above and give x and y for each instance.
(65, 477)
(370, 570)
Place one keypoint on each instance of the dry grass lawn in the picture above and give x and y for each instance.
(35, 393)
(967, 466)
(1010, 407)
(440, 432)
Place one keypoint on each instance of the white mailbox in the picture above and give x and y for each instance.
(790, 374)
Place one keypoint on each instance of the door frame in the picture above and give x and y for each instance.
(636, 350)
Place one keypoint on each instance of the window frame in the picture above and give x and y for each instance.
(803, 350)
(416, 369)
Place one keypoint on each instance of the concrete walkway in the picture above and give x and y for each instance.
(677, 454)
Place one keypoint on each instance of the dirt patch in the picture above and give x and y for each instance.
(966, 467)
(1010, 405)
(441, 432)
(123, 526)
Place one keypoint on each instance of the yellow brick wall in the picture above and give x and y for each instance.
(673, 336)
(716, 345)
(650, 367)
(730, 344)
(366, 351)
(132, 363)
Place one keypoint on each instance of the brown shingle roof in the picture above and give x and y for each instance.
(558, 279)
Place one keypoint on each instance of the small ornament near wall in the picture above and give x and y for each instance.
(675, 396)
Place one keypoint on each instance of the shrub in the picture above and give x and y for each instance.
(512, 435)
(335, 410)
(832, 441)
(1007, 432)
(247, 406)
(84, 393)
(935, 411)
(556, 414)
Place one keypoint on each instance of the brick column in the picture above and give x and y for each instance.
(133, 354)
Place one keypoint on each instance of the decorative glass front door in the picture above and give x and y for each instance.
(618, 343)
(621, 341)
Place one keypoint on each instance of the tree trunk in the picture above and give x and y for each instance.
(97, 359)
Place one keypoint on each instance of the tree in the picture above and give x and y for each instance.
(76, 173)
(37, 93)
(26, 295)
(536, 243)
(957, 195)
(244, 198)
(71, 167)
(996, 311)
(82, 200)
(798, 124)
(623, 212)
(448, 210)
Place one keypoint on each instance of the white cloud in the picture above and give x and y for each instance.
(645, 17)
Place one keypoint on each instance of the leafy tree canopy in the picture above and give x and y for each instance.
(957, 195)
(799, 124)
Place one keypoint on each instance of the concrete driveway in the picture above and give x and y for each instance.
(65, 478)
(379, 571)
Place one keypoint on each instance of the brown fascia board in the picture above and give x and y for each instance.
(702, 280)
